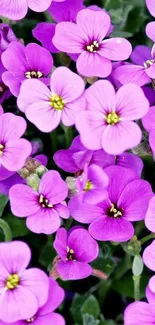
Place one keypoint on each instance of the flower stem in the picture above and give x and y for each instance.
(6, 230)
(147, 238)
(136, 281)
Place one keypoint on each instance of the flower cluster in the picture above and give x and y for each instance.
(102, 190)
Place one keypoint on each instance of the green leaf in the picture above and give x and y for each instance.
(47, 254)
(76, 305)
(108, 322)
(106, 265)
(138, 265)
(3, 202)
(89, 320)
(125, 286)
(17, 225)
(91, 307)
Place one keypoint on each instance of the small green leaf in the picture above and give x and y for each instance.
(3, 202)
(91, 307)
(47, 254)
(89, 320)
(138, 265)
(76, 305)
(17, 226)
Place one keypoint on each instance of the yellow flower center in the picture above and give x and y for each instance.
(33, 74)
(114, 212)
(1, 149)
(148, 63)
(57, 102)
(44, 202)
(88, 186)
(12, 281)
(112, 118)
(31, 320)
(70, 254)
(94, 47)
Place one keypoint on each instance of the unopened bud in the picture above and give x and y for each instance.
(33, 181)
(41, 170)
(132, 247)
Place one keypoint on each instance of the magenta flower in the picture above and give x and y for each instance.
(44, 208)
(22, 291)
(13, 149)
(149, 124)
(30, 62)
(47, 108)
(109, 119)
(142, 71)
(149, 219)
(15, 9)
(85, 38)
(151, 7)
(6, 36)
(127, 201)
(44, 33)
(91, 185)
(76, 250)
(73, 159)
(66, 11)
(46, 314)
(139, 313)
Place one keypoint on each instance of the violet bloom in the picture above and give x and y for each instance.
(74, 158)
(44, 208)
(109, 120)
(15, 9)
(139, 313)
(47, 108)
(13, 149)
(46, 314)
(25, 62)
(150, 219)
(127, 201)
(151, 7)
(6, 36)
(85, 38)
(4, 90)
(149, 124)
(65, 11)
(142, 71)
(76, 250)
(22, 291)
(91, 185)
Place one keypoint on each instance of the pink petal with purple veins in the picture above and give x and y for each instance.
(73, 270)
(93, 65)
(106, 228)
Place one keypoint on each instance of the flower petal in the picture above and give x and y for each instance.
(93, 65)
(131, 73)
(60, 243)
(55, 298)
(149, 256)
(44, 221)
(150, 215)
(151, 7)
(126, 134)
(67, 84)
(40, 6)
(83, 212)
(139, 313)
(105, 228)
(116, 49)
(73, 270)
(131, 102)
(44, 33)
(21, 194)
(85, 247)
(150, 30)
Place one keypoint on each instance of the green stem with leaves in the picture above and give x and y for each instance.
(6, 230)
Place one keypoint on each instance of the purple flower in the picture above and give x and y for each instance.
(13, 149)
(142, 71)
(45, 314)
(4, 90)
(44, 208)
(44, 33)
(76, 250)
(15, 9)
(109, 119)
(30, 62)
(74, 158)
(65, 11)
(111, 219)
(6, 36)
(149, 219)
(139, 313)
(151, 7)
(47, 108)
(91, 185)
(149, 124)
(22, 291)
(86, 39)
